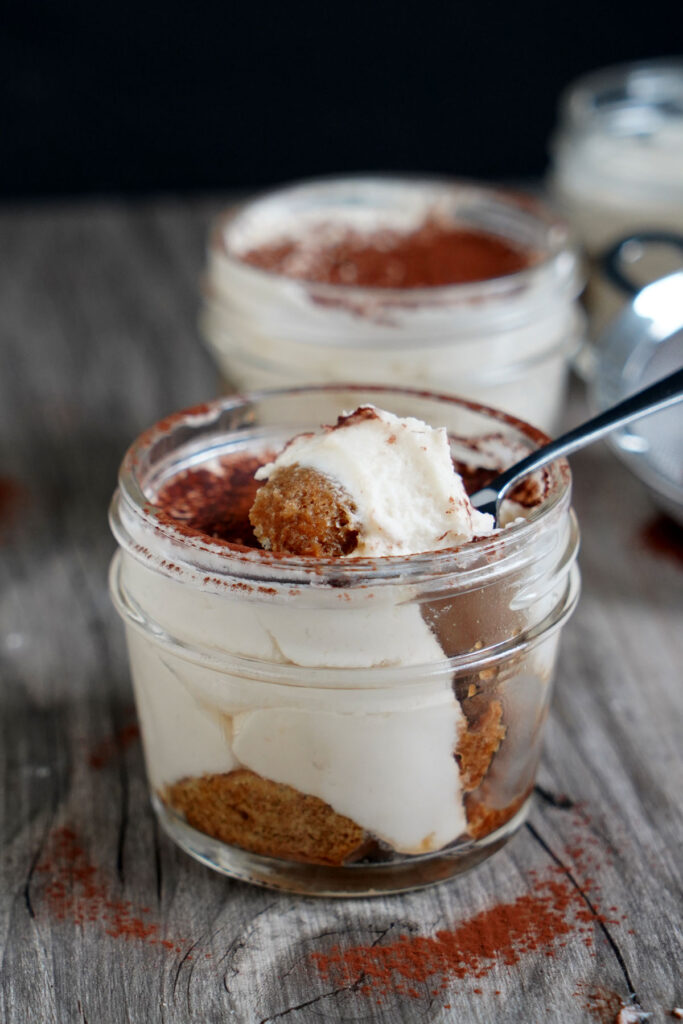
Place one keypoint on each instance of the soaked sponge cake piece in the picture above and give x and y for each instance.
(242, 808)
(482, 819)
(372, 485)
(299, 511)
(478, 744)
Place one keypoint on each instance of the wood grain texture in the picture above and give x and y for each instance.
(97, 340)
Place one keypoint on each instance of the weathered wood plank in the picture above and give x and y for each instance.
(97, 333)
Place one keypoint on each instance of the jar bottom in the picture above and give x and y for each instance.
(360, 879)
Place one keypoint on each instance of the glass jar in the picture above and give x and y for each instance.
(618, 172)
(338, 726)
(505, 341)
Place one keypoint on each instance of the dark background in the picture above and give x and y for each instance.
(114, 97)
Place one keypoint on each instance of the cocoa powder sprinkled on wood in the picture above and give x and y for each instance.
(75, 891)
(112, 746)
(504, 933)
(603, 1004)
(541, 921)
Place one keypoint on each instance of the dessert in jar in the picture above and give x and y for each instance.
(618, 172)
(401, 281)
(342, 670)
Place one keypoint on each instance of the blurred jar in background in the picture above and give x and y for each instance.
(618, 175)
(436, 284)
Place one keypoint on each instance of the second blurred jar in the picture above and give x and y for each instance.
(445, 285)
(618, 172)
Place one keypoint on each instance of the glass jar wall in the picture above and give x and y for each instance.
(338, 726)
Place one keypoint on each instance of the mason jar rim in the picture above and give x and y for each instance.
(560, 240)
(578, 101)
(237, 560)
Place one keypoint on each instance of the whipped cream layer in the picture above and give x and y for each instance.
(399, 474)
(384, 757)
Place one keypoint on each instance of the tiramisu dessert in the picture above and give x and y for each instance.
(396, 280)
(330, 656)
(618, 174)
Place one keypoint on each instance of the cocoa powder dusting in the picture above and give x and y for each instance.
(602, 1004)
(532, 922)
(434, 255)
(359, 415)
(528, 493)
(555, 910)
(76, 892)
(214, 505)
(110, 747)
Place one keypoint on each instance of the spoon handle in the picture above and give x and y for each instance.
(657, 396)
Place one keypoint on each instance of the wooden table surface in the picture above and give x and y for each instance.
(102, 919)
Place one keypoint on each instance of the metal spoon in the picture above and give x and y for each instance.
(658, 396)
